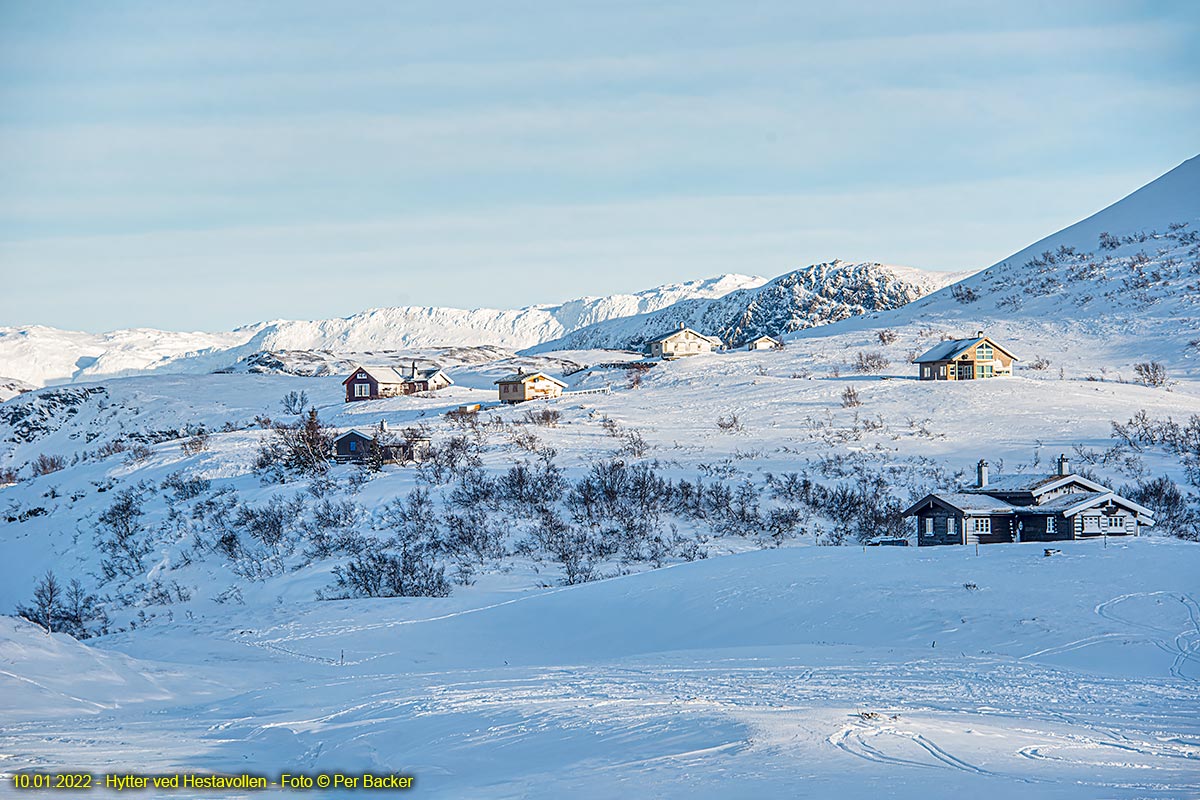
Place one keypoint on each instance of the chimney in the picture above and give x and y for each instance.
(383, 425)
(682, 326)
(979, 334)
(414, 370)
(981, 470)
(1064, 465)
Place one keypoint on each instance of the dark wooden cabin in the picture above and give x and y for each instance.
(1026, 508)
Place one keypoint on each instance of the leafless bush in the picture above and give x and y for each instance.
(305, 447)
(526, 440)
(1040, 364)
(195, 444)
(45, 464)
(110, 448)
(870, 362)
(1151, 373)
(730, 424)
(963, 294)
(633, 444)
(294, 403)
(850, 398)
(548, 417)
(139, 452)
(887, 336)
(8, 475)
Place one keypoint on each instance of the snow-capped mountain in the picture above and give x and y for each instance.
(816, 295)
(42, 356)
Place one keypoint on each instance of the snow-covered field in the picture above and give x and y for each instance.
(702, 659)
(779, 673)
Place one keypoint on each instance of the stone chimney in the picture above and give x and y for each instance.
(1064, 465)
(979, 334)
(981, 474)
(682, 326)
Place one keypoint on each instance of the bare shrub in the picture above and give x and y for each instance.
(45, 464)
(963, 294)
(1040, 364)
(8, 475)
(887, 336)
(1151, 373)
(111, 448)
(1172, 513)
(547, 417)
(195, 444)
(305, 447)
(870, 362)
(633, 444)
(850, 398)
(294, 403)
(526, 440)
(730, 424)
(139, 452)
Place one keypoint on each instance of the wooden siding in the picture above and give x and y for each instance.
(947, 527)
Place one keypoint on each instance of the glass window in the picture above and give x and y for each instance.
(982, 525)
(1050, 522)
(984, 352)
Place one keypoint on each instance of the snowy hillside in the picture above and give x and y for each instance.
(1119, 288)
(42, 356)
(636, 588)
(816, 295)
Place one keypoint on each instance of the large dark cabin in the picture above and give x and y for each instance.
(1026, 508)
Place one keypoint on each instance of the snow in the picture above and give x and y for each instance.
(842, 671)
(756, 671)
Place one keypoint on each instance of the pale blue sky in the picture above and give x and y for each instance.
(202, 165)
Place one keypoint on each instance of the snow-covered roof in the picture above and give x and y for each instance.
(363, 434)
(390, 374)
(680, 331)
(1034, 484)
(952, 348)
(522, 377)
(1071, 504)
(966, 503)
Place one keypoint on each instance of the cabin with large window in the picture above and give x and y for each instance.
(965, 360)
(529, 386)
(1026, 508)
(682, 342)
(377, 382)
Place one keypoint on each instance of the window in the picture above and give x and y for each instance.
(927, 372)
(361, 375)
(929, 526)
(965, 372)
(353, 446)
(981, 525)
(362, 390)
(1116, 522)
(984, 352)
(942, 371)
(983, 370)
(1050, 523)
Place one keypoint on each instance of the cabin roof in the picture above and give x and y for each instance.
(1034, 484)
(953, 348)
(966, 503)
(522, 377)
(353, 431)
(391, 374)
(678, 331)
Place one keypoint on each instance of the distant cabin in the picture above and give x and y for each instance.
(682, 342)
(1026, 508)
(377, 382)
(355, 445)
(765, 343)
(529, 386)
(965, 359)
